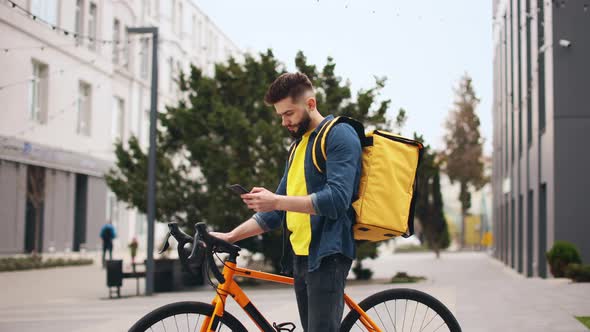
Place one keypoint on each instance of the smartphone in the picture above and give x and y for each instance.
(238, 189)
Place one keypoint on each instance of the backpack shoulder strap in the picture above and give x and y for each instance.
(318, 151)
(292, 151)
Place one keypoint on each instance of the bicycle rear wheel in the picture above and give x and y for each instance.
(184, 316)
(403, 310)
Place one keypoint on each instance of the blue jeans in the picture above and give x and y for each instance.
(320, 294)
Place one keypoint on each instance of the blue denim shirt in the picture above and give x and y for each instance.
(332, 194)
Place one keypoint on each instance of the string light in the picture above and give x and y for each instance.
(24, 12)
(61, 70)
(62, 110)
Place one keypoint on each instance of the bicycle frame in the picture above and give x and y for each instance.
(230, 287)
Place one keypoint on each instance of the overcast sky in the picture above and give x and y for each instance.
(422, 46)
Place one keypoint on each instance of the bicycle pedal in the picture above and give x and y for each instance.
(284, 327)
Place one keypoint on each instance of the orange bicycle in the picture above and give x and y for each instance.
(398, 309)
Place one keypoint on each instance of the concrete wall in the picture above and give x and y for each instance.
(59, 210)
(96, 212)
(572, 126)
(12, 206)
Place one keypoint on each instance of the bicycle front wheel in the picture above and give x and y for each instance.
(403, 310)
(184, 316)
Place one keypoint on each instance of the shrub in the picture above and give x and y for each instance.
(361, 273)
(403, 277)
(37, 262)
(560, 256)
(578, 272)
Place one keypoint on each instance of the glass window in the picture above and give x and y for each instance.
(79, 24)
(118, 119)
(38, 92)
(92, 23)
(116, 38)
(84, 109)
(45, 10)
(145, 53)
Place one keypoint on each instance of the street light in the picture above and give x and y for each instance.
(151, 192)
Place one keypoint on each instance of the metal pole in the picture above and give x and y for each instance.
(151, 189)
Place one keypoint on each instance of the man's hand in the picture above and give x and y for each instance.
(261, 200)
(223, 236)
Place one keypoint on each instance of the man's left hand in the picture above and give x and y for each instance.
(261, 200)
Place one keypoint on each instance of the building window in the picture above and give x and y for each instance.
(84, 109)
(118, 119)
(79, 24)
(171, 74)
(45, 10)
(172, 10)
(92, 23)
(198, 36)
(126, 53)
(38, 92)
(147, 10)
(519, 85)
(529, 78)
(542, 229)
(112, 213)
(145, 54)
(145, 135)
(116, 38)
(541, 63)
(180, 24)
(505, 104)
(194, 32)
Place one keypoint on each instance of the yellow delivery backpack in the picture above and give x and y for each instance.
(386, 195)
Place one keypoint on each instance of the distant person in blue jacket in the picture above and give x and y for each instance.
(107, 234)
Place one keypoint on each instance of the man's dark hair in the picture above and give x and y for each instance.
(287, 85)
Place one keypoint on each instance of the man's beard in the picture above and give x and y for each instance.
(302, 127)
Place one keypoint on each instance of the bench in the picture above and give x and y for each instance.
(115, 276)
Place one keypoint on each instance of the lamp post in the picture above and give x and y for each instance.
(151, 189)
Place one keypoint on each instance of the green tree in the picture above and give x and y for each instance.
(429, 204)
(464, 145)
(220, 132)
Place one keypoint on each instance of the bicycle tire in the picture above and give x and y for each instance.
(169, 312)
(351, 321)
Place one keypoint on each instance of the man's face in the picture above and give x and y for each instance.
(295, 116)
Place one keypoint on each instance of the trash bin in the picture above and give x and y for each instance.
(114, 273)
(163, 275)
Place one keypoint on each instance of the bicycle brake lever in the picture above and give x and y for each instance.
(166, 245)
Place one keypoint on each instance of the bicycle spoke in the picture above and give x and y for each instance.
(433, 317)
(164, 325)
(389, 313)
(415, 311)
(405, 311)
(378, 316)
(443, 323)
(357, 324)
(196, 325)
(424, 318)
(176, 322)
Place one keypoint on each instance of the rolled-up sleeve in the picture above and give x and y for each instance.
(343, 149)
(272, 219)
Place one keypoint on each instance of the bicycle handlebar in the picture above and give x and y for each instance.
(204, 245)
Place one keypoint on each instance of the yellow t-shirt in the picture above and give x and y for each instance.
(299, 223)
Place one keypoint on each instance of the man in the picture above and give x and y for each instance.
(317, 207)
(107, 234)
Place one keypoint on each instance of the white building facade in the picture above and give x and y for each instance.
(73, 81)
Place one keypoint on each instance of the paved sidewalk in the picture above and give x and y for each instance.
(482, 292)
